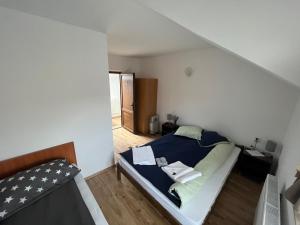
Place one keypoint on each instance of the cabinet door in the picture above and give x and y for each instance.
(146, 97)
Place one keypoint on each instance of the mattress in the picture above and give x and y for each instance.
(69, 203)
(172, 148)
(89, 200)
(192, 213)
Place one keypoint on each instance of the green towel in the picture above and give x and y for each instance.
(207, 167)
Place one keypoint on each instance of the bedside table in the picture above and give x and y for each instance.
(255, 167)
(168, 128)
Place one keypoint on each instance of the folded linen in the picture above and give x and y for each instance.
(215, 158)
(143, 156)
(189, 176)
(179, 172)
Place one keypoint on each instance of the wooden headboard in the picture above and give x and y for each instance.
(11, 166)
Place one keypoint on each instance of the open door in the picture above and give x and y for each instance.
(127, 101)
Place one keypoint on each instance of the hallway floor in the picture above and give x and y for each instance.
(116, 122)
(124, 139)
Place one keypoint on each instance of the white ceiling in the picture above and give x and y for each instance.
(266, 32)
(132, 29)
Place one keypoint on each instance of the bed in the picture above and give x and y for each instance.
(68, 202)
(196, 211)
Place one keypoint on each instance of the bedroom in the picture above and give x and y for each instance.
(54, 78)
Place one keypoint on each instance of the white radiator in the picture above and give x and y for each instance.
(268, 208)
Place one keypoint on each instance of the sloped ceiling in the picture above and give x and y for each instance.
(132, 29)
(266, 33)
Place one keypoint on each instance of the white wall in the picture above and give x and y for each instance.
(290, 157)
(289, 161)
(54, 89)
(124, 64)
(225, 93)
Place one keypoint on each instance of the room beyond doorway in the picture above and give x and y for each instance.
(115, 99)
(122, 100)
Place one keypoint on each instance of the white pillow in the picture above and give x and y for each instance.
(193, 132)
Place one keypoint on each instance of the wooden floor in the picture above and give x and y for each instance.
(116, 122)
(236, 203)
(123, 204)
(124, 139)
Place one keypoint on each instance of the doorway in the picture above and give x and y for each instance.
(122, 100)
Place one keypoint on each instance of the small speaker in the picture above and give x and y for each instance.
(170, 116)
(271, 146)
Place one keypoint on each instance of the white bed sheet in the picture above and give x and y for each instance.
(89, 200)
(195, 212)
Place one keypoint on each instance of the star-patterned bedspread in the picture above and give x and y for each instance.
(26, 187)
(64, 206)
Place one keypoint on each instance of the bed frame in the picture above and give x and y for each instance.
(13, 165)
(157, 205)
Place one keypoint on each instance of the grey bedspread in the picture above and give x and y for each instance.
(64, 206)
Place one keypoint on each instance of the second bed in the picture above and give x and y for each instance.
(156, 183)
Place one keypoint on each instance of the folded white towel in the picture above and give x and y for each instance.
(189, 176)
(176, 169)
(179, 172)
(143, 156)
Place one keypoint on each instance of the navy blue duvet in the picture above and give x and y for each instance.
(173, 148)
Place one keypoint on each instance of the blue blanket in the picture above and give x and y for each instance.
(173, 148)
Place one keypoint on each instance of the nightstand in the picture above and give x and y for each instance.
(168, 128)
(254, 167)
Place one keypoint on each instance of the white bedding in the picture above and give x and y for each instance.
(143, 156)
(195, 212)
(90, 201)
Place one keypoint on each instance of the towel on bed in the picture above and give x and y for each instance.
(207, 166)
(143, 156)
(179, 172)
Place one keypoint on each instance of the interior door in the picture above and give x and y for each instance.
(127, 102)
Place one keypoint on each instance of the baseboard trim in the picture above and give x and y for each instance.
(100, 172)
